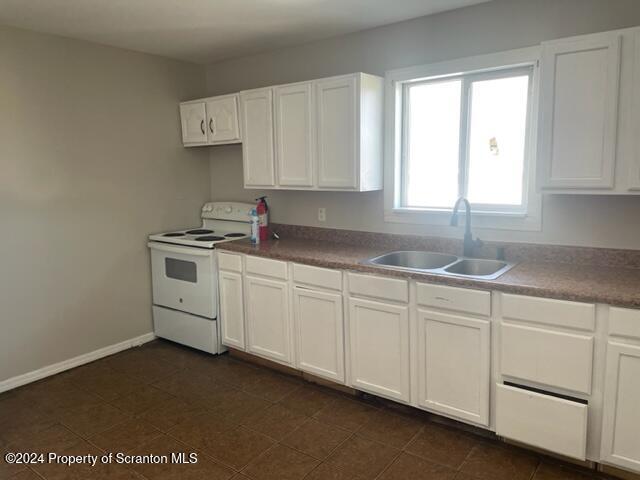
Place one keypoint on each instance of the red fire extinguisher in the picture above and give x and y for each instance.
(262, 209)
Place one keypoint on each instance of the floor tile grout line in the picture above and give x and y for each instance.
(275, 444)
(388, 466)
(535, 470)
(416, 435)
(459, 469)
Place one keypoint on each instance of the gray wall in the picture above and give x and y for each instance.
(485, 28)
(91, 162)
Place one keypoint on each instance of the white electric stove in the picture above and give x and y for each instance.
(185, 275)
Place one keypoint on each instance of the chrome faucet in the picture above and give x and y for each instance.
(469, 243)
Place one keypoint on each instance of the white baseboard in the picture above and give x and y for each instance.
(49, 370)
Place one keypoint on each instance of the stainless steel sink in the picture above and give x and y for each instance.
(477, 268)
(441, 263)
(414, 260)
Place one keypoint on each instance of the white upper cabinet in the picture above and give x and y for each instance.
(257, 127)
(579, 111)
(294, 134)
(222, 119)
(337, 132)
(210, 121)
(590, 114)
(193, 117)
(328, 135)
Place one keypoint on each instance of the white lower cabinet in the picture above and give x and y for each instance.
(232, 309)
(541, 420)
(454, 357)
(268, 320)
(379, 344)
(433, 349)
(319, 332)
(621, 420)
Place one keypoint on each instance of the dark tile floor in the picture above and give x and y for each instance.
(243, 421)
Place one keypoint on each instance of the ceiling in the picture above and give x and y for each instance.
(204, 31)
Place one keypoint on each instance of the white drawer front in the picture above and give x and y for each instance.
(451, 298)
(547, 311)
(266, 267)
(624, 322)
(230, 262)
(548, 357)
(191, 330)
(543, 421)
(319, 277)
(379, 287)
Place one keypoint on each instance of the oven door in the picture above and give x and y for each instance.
(184, 278)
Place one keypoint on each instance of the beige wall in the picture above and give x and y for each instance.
(485, 28)
(91, 162)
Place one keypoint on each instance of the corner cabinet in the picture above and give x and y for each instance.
(588, 116)
(318, 135)
(210, 121)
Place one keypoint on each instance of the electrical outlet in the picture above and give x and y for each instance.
(322, 214)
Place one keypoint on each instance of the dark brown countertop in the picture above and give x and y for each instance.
(585, 283)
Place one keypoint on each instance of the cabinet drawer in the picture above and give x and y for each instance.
(451, 298)
(543, 421)
(319, 277)
(266, 267)
(379, 287)
(624, 322)
(230, 262)
(547, 311)
(557, 359)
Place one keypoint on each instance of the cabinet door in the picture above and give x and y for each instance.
(379, 341)
(337, 127)
(257, 145)
(621, 415)
(192, 117)
(222, 120)
(579, 112)
(268, 325)
(454, 365)
(635, 169)
(231, 309)
(294, 134)
(318, 320)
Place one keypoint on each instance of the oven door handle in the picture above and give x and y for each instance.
(180, 250)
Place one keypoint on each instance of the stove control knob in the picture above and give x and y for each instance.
(228, 210)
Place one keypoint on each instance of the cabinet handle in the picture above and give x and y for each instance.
(202, 126)
(211, 124)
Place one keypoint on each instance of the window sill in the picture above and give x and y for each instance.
(481, 220)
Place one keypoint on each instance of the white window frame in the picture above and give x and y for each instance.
(483, 216)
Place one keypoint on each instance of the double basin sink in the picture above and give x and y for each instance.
(442, 264)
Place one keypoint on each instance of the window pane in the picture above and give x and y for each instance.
(433, 144)
(497, 140)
